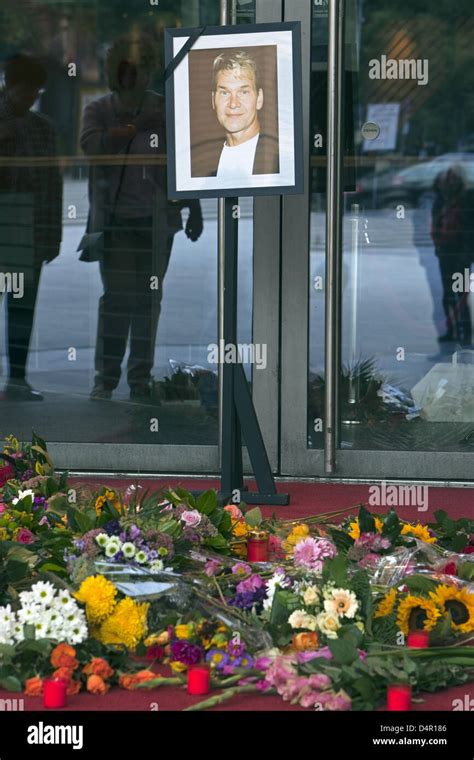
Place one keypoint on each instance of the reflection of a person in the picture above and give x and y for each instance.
(129, 205)
(453, 239)
(35, 192)
(237, 99)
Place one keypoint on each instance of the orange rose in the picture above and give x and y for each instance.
(73, 687)
(97, 685)
(98, 667)
(34, 687)
(305, 641)
(63, 673)
(234, 511)
(64, 656)
(129, 681)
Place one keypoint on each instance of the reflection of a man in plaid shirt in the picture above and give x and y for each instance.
(25, 134)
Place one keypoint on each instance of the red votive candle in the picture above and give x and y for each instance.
(398, 697)
(54, 692)
(198, 679)
(257, 546)
(418, 640)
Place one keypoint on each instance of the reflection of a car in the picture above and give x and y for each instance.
(392, 186)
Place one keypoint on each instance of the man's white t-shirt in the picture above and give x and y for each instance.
(239, 159)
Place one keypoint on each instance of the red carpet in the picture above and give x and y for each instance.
(306, 499)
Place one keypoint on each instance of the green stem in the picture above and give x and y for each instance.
(172, 681)
(220, 698)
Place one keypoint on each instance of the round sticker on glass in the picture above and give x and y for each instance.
(370, 130)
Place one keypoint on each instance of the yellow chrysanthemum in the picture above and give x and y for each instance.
(298, 533)
(386, 605)
(98, 594)
(354, 528)
(240, 529)
(417, 613)
(184, 631)
(126, 625)
(459, 602)
(107, 496)
(418, 531)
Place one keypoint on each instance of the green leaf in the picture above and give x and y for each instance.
(391, 526)
(336, 570)
(343, 651)
(419, 584)
(254, 517)
(366, 521)
(207, 502)
(466, 571)
(50, 567)
(11, 683)
(16, 570)
(284, 603)
(29, 631)
(217, 542)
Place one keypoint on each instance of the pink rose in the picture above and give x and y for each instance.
(3, 508)
(234, 511)
(191, 518)
(25, 536)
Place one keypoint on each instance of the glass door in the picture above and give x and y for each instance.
(403, 392)
(106, 350)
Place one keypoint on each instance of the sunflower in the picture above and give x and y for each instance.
(354, 528)
(416, 613)
(386, 605)
(460, 605)
(418, 531)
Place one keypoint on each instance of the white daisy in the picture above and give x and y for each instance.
(7, 616)
(26, 597)
(102, 539)
(64, 601)
(77, 635)
(278, 580)
(43, 592)
(342, 602)
(129, 549)
(141, 557)
(156, 566)
(28, 613)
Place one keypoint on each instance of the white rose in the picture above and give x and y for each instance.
(311, 596)
(328, 624)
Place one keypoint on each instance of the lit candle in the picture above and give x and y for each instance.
(198, 679)
(398, 697)
(257, 546)
(418, 640)
(54, 692)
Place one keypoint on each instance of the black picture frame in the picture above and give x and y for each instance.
(175, 190)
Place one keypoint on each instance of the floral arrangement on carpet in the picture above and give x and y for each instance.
(93, 582)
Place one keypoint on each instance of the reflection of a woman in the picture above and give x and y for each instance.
(453, 239)
(128, 204)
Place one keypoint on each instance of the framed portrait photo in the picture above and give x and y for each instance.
(233, 111)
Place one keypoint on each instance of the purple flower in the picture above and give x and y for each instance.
(39, 502)
(44, 521)
(235, 650)
(311, 552)
(191, 518)
(134, 532)
(212, 567)
(27, 475)
(243, 662)
(251, 584)
(241, 568)
(188, 654)
(218, 658)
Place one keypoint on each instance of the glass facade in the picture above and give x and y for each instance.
(407, 377)
(111, 339)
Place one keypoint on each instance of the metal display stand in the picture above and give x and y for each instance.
(238, 417)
